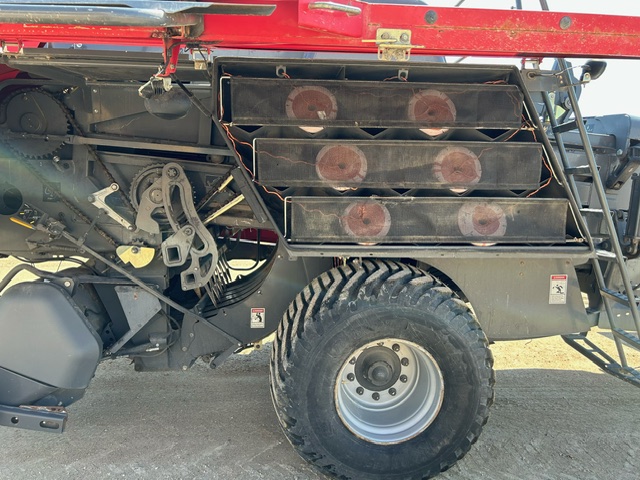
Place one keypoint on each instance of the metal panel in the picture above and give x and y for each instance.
(420, 220)
(510, 297)
(398, 164)
(373, 104)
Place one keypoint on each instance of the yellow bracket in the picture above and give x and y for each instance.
(394, 44)
(138, 257)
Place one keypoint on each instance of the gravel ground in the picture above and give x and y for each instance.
(555, 417)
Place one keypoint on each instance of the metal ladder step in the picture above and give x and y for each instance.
(629, 338)
(565, 127)
(606, 255)
(591, 211)
(617, 296)
(579, 170)
(586, 347)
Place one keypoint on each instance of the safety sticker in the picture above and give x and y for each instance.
(257, 318)
(558, 290)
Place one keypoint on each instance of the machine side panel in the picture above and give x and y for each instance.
(511, 297)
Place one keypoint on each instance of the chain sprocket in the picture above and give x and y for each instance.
(142, 181)
(33, 118)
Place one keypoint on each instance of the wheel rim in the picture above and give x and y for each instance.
(389, 391)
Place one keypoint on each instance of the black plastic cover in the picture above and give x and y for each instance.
(46, 339)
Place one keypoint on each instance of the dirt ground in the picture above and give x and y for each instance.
(555, 417)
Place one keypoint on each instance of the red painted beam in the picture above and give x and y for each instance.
(296, 25)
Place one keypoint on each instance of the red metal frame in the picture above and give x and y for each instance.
(294, 25)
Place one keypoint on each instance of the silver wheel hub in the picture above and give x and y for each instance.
(389, 391)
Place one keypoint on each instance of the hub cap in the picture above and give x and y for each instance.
(389, 391)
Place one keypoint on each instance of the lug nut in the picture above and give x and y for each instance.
(403, 378)
(404, 362)
(376, 396)
(359, 390)
(351, 377)
(353, 361)
(396, 347)
(392, 391)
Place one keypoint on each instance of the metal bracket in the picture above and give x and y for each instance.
(13, 49)
(184, 218)
(394, 44)
(201, 58)
(98, 200)
(138, 257)
(139, 309)
(42, 419)
(150, 201)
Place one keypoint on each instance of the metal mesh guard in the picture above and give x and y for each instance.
(427, 220)
(394, 164)
(265, 101)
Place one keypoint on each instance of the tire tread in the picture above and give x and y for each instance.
(382, 280)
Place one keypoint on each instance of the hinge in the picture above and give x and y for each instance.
(394, 44)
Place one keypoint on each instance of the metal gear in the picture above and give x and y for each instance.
(38, 116)
(142, 181)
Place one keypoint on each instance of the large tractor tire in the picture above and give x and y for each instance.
(380, 372)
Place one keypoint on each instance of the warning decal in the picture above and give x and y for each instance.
(558, 290)
(257, 318)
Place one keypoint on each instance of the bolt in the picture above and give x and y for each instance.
(172, 172)
(353, 361)
(403, 378)
(135, 249)
(188, 231)
(404, 37)
(184, 349)
(95, 110)
(376, 396)
(56, 159)
(404, 362)
(565, 22)
(359, 390)
(396, 347)
(351, 377)
(431, 17)
(384, 36)
(184, 367)
(95, 90)
(67, 284)
(191, 335)
(392, 392)
(114, 187)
